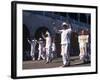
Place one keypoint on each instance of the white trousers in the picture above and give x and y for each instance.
(84, 55)
(65, 54)
(32, 52)
(41, 55)
(48, 54)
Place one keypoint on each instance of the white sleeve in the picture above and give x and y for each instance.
(29, 41)
(79, 39)
(69, 30)
(87, 38)
(60, 31)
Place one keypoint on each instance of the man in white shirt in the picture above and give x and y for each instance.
(48, 46)
(83, 43)
(65, 43)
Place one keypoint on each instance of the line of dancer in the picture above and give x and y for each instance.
(47, 48)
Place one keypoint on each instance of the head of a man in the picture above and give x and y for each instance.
(82, 32)
(47, 34)
(65, 25)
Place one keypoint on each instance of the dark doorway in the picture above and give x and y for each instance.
(74, 45)
(43, 30)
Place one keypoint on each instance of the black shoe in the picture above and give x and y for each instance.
(69, 64)
(47, 62)
(50, 60)
(86, 62)
(64, 65)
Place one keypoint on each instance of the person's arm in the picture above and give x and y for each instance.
(43, 36)
(57, 30)
(60, 31)
(79, 39)
(69, 30)
(29, 41)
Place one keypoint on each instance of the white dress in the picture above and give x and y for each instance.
(83, 40)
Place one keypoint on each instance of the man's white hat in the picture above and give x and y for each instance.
(33, 40)
(47, 33)
(64, 23)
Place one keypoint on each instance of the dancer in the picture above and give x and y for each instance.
(83, 42)
(41, 46)
(33, 44)
(48, 46)
(65, 44)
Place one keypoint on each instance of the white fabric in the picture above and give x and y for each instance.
(65, 36)
(65, 54)
(64, 48)
(41, 45)
(65, 41)
(83, 41)
(41, 55)
(53, 47)
(48, 54)
(48, 48)
(48, 42)
(65, 59)
(33, 44)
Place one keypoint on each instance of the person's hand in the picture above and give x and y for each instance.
(28, 40)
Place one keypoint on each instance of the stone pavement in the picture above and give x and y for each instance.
(57, 62)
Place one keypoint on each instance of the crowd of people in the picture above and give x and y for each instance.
(47, 48)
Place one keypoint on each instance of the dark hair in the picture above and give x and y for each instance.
(83, 32)
(46, 35)
(66, 26)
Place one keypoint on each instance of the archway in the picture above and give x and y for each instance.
(39, 31)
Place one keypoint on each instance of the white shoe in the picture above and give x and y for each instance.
(33, 59)
(43, 58)
(38, 59)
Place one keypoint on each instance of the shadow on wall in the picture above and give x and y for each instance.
(39, 31)
(26, 45)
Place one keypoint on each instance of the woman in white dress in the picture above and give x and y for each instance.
(83, 42)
